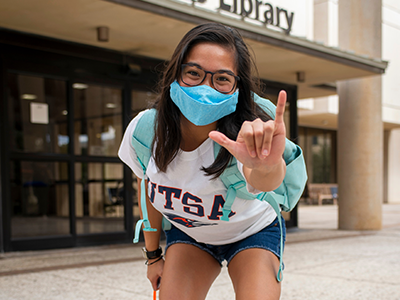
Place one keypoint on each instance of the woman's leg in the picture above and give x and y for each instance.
(188, 273)
(253, 273)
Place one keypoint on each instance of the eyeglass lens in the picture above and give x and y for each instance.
(222, 81)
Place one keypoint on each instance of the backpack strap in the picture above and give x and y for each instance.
(235, 184)
(289, 192)
(142, 139)
(143, 136)
(272, 201)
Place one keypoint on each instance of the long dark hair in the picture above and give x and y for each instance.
(167, 128)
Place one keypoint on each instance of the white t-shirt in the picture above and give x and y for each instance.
(192, 201)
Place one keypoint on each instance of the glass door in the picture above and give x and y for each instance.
(39, 193)
(63, 183)
(63, 114)
(99, 185)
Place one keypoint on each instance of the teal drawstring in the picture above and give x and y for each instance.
(230, 198)
(277, 210)
(145, 220)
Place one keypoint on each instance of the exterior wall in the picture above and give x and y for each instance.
(326, 22)
(326, 31)
(393, 172)
(391, 93)
(390, 51)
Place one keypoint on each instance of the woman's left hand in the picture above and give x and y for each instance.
(259, 145)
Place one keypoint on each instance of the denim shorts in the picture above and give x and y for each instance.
(268, 238)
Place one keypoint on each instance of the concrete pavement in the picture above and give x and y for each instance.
(321, 263)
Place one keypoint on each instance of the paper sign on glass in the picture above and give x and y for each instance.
(39, 113)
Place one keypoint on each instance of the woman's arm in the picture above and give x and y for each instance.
(259, 147)
(152, 240)
(267, 179)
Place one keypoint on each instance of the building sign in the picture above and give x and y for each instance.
(259, 12)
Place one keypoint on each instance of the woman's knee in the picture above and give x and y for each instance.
(188, 273)
(253, 273)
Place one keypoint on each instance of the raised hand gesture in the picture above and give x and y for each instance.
(259, 147)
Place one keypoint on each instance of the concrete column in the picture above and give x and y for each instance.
(393, 169)
(360, 129)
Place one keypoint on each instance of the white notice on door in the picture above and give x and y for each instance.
(39, 113)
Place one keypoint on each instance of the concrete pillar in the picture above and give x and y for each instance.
(360, 129)
(393, 167)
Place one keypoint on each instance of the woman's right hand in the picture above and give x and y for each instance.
(154, 272)
(152, 239)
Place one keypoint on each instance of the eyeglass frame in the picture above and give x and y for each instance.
(237, 78)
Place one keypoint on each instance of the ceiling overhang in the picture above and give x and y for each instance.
(153, 29)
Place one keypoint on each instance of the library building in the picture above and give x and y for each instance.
(74, 73)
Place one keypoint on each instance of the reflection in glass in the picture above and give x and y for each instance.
(37, 113)
(39, 198)
(98, 123)
(99, 197)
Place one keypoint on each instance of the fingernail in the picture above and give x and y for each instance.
(265, 152)
(253, 153)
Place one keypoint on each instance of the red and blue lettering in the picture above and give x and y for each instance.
(199, 209)
(168, 192)
(216, 210)
(152, 191)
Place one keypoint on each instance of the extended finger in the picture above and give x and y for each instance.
(247, 134)
(280, 107)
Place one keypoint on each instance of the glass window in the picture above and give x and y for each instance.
(39, 198)
(38, 114)
(98, 123)
(99, 197)
(319, 147)
(141, 100)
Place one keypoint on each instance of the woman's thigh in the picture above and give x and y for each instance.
(188, 273)
(253, 273)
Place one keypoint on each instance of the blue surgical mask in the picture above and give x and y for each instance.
(202, 105)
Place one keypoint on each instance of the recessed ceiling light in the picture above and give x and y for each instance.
(65, 112)
(29, 97)
(111, 105)
(80, 86)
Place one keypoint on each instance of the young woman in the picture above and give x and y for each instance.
(207, 97)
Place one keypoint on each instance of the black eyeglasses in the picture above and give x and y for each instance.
(223, 81)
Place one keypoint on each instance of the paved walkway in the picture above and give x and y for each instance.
(321, 263)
